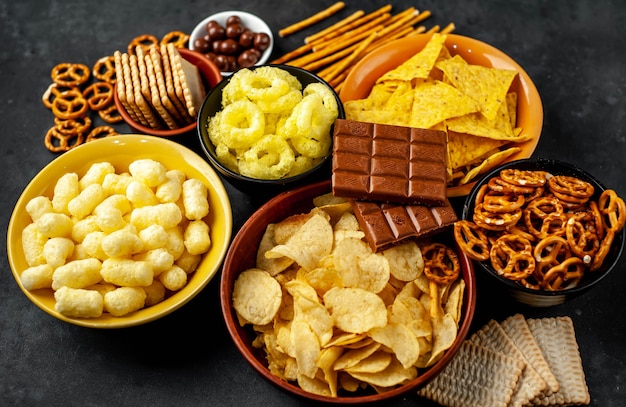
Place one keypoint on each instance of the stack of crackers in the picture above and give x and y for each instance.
(518, 362)
(158, 87)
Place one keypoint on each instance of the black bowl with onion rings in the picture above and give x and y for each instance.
(545, 297)
(213, 104)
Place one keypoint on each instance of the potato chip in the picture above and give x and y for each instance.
(393, 375)
(405, 261)
(308, 245)
(400, 339)
(325, 361)
(355, 310)
(306, 347)
(376, 362)
(352, 357)
(271, 265)
(444, 333)
(256, 296)
(359, 267)
(316, 315)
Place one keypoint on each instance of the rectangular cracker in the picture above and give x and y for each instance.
(140, 101)
(189, 81)
(121, 85)
(476, 376)
(130, 93)
(143, 75)
(557, 340)
(177, 104)
(530, 384)
(517, 329)
(170, 104)
(156, 98)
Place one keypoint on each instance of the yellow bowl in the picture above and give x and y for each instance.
(121, 151)
(362, 78)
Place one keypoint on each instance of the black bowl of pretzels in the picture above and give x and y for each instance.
(545, 230)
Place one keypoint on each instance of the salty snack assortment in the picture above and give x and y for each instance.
(473, 104)
(516, 362)
(541, 230)
(116, 240)
(336, 317)
(270, 125)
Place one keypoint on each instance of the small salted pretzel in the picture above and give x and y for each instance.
(100, 132)
(603, 250)
(70, 104)
(52, 92)
(104, 69)
(503, 203)
(110, 114)
(178, 38)
(73, 127)
(58, 142)
(567, 186)
(595, 214)
(98, 95)
(569, 271)
(524, 178)
(441, 264)
(550, 251)
(472, 240)
(144, 41)
(67, 74)
(613, 210)
(495, 221)
(581, 236)
(480, 195)
(511, 257)
(498, 184)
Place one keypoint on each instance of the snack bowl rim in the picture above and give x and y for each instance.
(292, 202)
(209, 107)
(249, 20)
(120, 150)
(543, 298)
(530, 114)
(211, 76)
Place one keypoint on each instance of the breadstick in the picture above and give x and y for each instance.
(315, 65)
(316, 18)
(293, 54)
(343, 64)
(357, 23)
(356, 31)
(357, 14)
(448, 29)
(433, 29)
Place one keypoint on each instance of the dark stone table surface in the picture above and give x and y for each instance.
(573, 50)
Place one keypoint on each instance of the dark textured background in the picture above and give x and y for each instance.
(573, 50)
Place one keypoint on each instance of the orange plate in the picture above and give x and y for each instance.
(362, 78)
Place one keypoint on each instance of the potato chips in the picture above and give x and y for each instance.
(334, 316)
(435, 90)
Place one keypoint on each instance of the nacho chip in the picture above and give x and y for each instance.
(489, 163)
(420, 64)
(435, 101)
(465, 149)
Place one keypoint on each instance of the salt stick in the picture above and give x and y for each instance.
(347, 61)
(433, 29)
(361, 21)
(338, 25)
(315, 65)
(448, 29)
(316, 18)
(368, 27)
(293, 54)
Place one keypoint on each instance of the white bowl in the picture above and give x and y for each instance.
(254, 23)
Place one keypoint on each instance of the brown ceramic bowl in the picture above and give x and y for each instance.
(241, 256)
(211, 76)
(545, 298)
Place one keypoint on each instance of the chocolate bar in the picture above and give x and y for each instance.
(387, 163)
(386, 224)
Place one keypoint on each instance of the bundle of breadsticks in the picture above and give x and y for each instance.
(333, 51)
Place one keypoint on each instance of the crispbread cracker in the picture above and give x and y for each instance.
(530, 384)
(476, 376)
(140, 101)
(176, 104)
(189, 79)
(156, 98)
(517, 329)
(557, 340)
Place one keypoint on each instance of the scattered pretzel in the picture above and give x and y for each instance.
(99, 95)
(70, 104)
(110, 114)
(100, 132)
(58, 142)
(144, 41)
(73, 127)
(104, 69)
(441, 264)
(52, 92)
(178, 38)
(67, 74)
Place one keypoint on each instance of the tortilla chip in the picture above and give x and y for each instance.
(491, 162)
(435, 101)
(420, 64)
